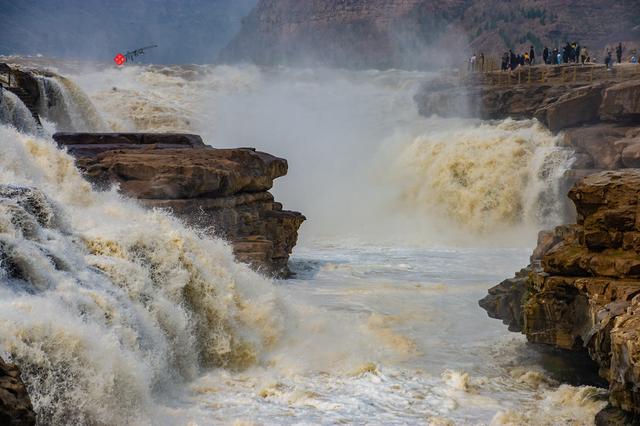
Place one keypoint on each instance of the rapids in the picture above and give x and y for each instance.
(118, 315)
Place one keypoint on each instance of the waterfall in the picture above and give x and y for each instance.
(107, 306)
(484, 177)
(16, 113)
(65, 104)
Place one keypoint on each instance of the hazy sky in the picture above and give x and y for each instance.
(187, 31)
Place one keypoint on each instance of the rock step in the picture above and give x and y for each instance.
(120, 140)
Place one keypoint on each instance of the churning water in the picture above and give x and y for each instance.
(119, 315)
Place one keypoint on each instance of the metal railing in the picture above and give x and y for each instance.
(490, 73)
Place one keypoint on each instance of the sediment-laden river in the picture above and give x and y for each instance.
(410, 220)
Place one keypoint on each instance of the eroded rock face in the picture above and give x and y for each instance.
(15, 404)
(622, 101)
(575, 107)
(222, 190)
(584, 294)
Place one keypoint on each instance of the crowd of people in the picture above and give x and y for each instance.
(568, 54)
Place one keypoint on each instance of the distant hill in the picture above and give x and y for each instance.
(190, 31)
(422, 33)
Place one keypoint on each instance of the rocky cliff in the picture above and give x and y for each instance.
(225, 191)
(582, 289)
(423, 33)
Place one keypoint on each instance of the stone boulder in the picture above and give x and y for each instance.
(575, 107)
(621, 102)
(598, 146)
(504, 301)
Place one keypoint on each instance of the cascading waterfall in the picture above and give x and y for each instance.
(484, 176)
(15, 113)
(105, 304)
(65, 104)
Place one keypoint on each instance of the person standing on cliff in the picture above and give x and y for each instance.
(608, 60)
(532, 56)
(512, 60)
(505, 61)
(584, 54)
(619, 53)
(545, 55)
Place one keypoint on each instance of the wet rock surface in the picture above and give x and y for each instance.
(582, 289)
(15, 404)
(224, 191)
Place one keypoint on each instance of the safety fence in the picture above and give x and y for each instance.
(489, 73)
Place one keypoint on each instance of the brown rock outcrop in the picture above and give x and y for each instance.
(622, 102)
(221, 190)
(15, 404)
(575, 107)
(583, 294)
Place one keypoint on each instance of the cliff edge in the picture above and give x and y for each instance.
(582, 289)
(224, 191)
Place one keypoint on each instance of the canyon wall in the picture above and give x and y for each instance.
(582, 289)
(579, 292)
(223, 191)
(423, 33)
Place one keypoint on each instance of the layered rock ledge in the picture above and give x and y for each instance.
(581, 291)
(224, 191)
